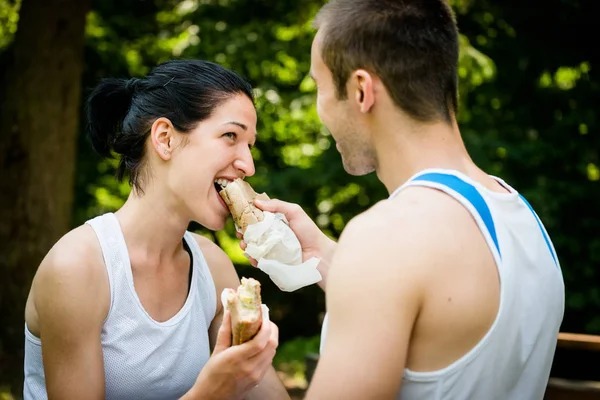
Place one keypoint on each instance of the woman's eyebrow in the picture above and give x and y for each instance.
(244, 127)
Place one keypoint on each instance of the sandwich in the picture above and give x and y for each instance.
(245, 308)
(239, 197)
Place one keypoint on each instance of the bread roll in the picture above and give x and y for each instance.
(239, 197)
(245, 308)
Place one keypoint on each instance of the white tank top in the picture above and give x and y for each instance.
(143, 358)
(513, 360)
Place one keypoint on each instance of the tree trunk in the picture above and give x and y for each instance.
(39, 121)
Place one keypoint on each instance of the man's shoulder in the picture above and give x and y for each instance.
(420, 224)
(412, 206)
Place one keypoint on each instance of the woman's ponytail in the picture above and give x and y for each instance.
(107, 107)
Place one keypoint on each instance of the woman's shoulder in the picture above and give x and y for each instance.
(219, 263)
(78, 253)
(73, 272)
(210, 250)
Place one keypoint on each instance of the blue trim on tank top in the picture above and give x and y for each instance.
(546, 238)
(470, 193)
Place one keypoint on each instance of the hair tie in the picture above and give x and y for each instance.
(132, 84)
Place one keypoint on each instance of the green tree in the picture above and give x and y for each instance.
(38, 119)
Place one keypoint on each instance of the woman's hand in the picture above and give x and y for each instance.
(232, 371)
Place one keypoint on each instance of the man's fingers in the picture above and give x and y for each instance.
(243, 246)
(276, 206)
(253, 262)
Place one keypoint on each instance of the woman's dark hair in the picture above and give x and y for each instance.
(120, 112)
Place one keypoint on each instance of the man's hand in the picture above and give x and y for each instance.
(232, 371)
(313, 241)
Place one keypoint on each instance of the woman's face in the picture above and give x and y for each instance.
(218, 148)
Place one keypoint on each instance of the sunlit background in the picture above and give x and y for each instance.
(528, 113)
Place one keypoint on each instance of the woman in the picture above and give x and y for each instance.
(127, 305)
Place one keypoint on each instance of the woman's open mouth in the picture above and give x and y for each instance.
(221, 184)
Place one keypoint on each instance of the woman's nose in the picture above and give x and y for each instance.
(245, 163)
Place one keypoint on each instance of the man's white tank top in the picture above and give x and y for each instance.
(143, 358)
(513, 360)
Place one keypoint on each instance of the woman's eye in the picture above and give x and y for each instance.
(231, 135)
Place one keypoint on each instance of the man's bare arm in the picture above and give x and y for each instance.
(374, 295)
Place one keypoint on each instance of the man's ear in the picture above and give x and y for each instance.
(162, 135)
(362, 85)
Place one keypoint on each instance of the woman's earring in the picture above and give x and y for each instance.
(165, 152)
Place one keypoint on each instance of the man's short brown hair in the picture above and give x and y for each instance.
(411, 45)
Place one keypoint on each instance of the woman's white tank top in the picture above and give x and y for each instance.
(143, 358)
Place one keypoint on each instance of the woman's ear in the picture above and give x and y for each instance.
(162, 134)
(362, 85)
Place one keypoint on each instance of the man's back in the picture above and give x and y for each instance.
(492, 306)
(497, 340)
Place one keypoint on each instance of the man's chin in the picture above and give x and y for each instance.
(356, 168)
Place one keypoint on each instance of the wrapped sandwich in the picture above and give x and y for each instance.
(239, 197)
(269, 238)
(245, 308)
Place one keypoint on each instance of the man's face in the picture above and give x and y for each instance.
(341, 117)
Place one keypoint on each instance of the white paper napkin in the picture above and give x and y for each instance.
(276, 248)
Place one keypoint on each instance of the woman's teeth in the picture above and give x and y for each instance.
(222, 182)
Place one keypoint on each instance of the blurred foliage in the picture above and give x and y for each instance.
(9, 17)
(536, 126)
(290, 357)
(527, 113)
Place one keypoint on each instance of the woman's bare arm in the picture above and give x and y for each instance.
(71, 297)
(225, 276)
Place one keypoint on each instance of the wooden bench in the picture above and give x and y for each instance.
(578, 341)
(569, 379)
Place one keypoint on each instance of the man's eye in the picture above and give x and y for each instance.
(231, 135)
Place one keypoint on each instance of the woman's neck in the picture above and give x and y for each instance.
(152, 225)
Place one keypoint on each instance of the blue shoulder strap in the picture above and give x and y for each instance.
(544, 234)
(470, 193)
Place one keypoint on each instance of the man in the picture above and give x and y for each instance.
(450, 288)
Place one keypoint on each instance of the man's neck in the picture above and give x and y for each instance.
(405, 148)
